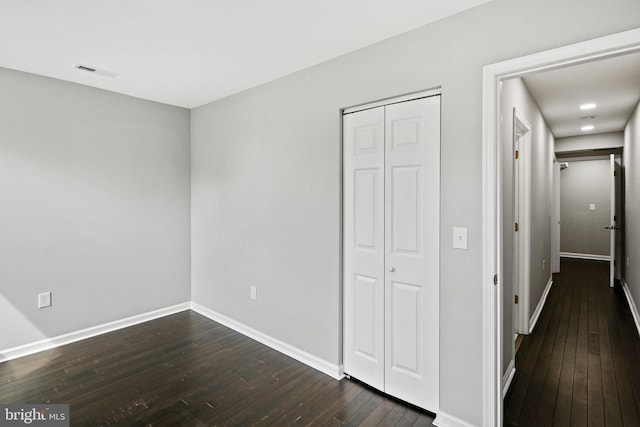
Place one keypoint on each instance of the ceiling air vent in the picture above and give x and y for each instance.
(94, 70)
(82, 67)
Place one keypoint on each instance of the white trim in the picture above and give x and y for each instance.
(608, 46)
(446, 420)
(593, 257)
(522, 207)
(538, 310)
(49, 343)
(335, 371)
(584, 158)
(394, 100)
(555, 218)
(508, 377)
(612, 219)
(492, 245)
(632, 304)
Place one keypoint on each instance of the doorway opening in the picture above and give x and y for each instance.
(606, 47)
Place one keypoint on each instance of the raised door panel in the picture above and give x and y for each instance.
(406, 210)
(406, 324)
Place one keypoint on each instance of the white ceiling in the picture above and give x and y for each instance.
(613, 84)
(191, 52)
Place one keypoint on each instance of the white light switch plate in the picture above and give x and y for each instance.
(592, 206)
(460, 237)
(44, 300)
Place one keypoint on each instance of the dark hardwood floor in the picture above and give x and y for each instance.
(581, 364)
(186, 370)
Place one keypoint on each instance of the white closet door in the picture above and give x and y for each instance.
(363, 141)
(412, 204)
(391, 249)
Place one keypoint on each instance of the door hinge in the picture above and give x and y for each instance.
(516, 227)
(495, 280)
(515, 299)
(614, 173)
(517, 154)
(614, 218)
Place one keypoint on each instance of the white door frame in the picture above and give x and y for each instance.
(522, 217)
(612, 220)
(492, 271)
(555, 219)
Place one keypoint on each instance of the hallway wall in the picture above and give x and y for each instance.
(515, 94)
(631, 165)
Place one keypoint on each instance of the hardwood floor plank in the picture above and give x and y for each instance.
(358, 418)
(579, 402)
(409, 418)
(595, 409)
(354, 406)
(352, 389)
(562, 413)
(548, 400)
(611, 405)
(394, 416)
(377, 416)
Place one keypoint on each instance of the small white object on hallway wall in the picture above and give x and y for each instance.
(460, 237)
(44, 300)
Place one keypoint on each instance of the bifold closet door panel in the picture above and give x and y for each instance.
(363, 141)
(412, 246)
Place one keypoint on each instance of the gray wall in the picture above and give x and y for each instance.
(515, 94)
(632, 204)
(590, 142)
(581, 230)
(95, 206)
(266, 178)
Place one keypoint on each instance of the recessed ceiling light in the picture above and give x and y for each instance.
(586, 128)
(588, 106)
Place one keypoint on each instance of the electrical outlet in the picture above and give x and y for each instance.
(544, 264)
(44, 300)
(254, 293)
(628, 261)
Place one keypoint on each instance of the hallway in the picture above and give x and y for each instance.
(581, 365)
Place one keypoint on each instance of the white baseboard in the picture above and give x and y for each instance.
(335, 371)
(632, 304)
(585, 256)
(508, 377)
(543, 300)
(445, 420)
(49, 343)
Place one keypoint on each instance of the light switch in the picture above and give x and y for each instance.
(592, 206)
(460, 237)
